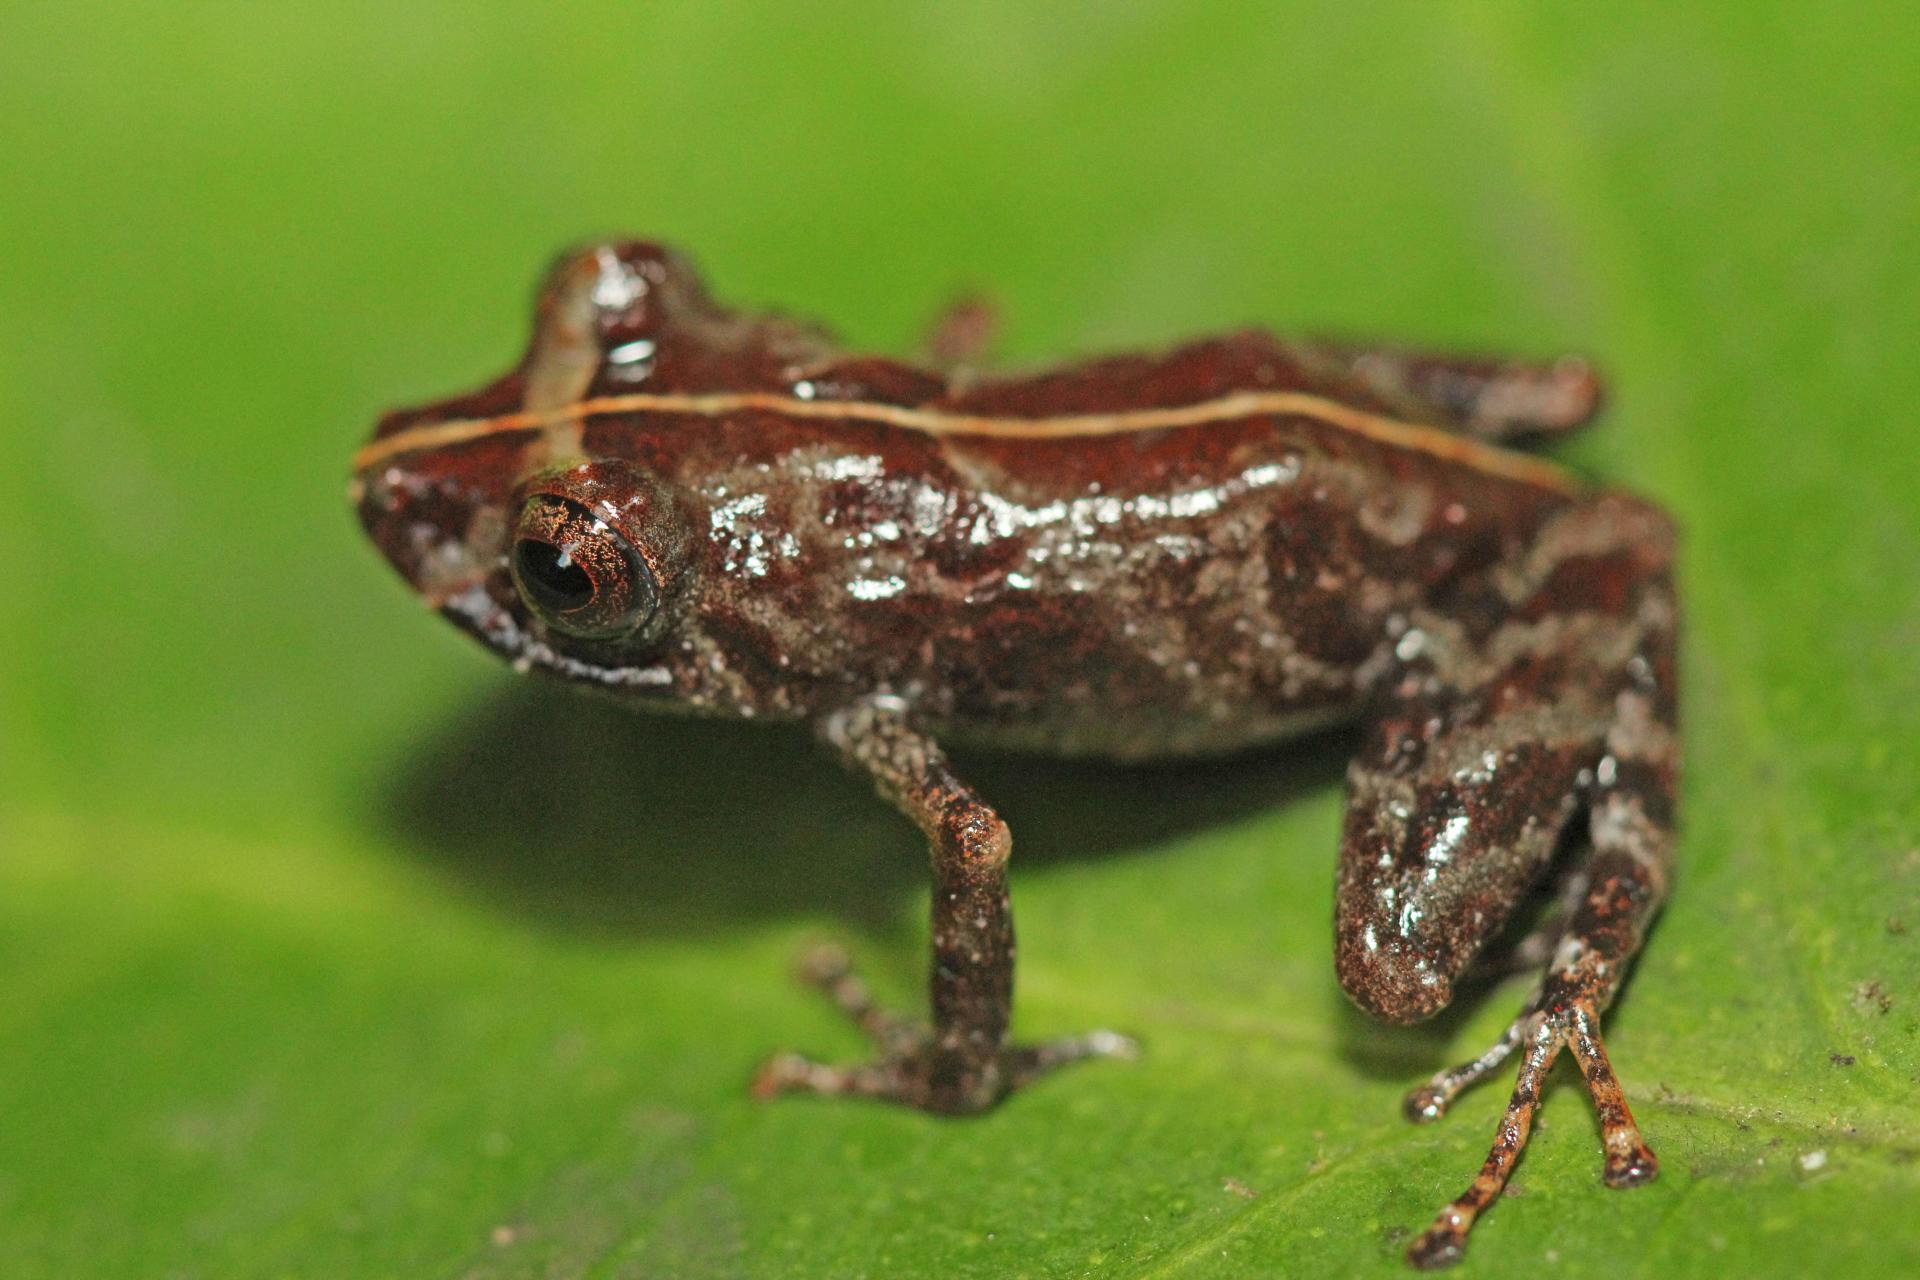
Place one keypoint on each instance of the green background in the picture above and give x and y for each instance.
(328, 948)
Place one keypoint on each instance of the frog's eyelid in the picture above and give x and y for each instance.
(1245, 404)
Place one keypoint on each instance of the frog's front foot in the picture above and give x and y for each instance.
(913, 1067)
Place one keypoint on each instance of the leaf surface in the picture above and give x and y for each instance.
(327, 948)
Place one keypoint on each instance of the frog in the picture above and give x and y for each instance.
(1202, 550)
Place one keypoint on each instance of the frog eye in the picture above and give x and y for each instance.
(578, 573)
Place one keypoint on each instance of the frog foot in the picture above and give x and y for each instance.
(954, 1074)
(1541, 1033)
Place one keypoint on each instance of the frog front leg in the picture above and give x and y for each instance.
(1543, 691)
(963, 1062)
(962, 334)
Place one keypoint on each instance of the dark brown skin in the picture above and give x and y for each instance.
(1138, 557)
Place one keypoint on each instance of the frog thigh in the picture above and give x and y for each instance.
(1484, 744)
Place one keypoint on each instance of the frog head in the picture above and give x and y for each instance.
(495, 513)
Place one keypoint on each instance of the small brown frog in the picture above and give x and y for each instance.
(1138, 557)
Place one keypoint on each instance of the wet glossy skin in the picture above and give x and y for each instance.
(1137, 557)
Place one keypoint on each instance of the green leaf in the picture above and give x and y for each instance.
(328, 948)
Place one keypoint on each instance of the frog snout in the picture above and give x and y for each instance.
(380, 501)
(439, 540)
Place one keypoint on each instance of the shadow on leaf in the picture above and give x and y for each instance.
(584, 815)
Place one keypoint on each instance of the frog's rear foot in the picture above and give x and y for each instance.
(1562, 1017)
(911, 1067)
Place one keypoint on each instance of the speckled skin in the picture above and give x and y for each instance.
(1133, 558)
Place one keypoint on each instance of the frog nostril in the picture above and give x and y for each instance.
(550, 574)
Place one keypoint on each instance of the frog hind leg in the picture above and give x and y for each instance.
(1492, 735)
(1485, 397)
(964, 1062)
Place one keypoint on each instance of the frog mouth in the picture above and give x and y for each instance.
(475, 611)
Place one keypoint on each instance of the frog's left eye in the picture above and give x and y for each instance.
(578, 573)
